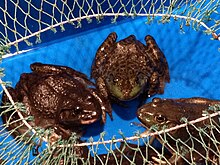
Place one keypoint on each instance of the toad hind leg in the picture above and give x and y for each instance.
(157, 57)
(101, 53)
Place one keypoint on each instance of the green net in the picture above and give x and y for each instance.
(25, 23)
(22, 20)
(193, 142)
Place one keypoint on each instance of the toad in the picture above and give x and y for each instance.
(127, 69)
(191, 142)
(57, 97)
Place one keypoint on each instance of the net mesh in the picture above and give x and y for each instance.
(26, 23)
(22, 20)
(191, 144)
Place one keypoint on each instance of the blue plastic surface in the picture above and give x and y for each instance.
(194, 63)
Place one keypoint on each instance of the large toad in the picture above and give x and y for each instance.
(126, 69)
(57, 97)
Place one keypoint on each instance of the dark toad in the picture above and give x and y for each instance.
(58, 97)
(169, 112)
(126, 69)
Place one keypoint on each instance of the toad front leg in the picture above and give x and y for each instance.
(104, 104)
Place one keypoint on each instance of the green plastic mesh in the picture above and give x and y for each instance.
(28, 28)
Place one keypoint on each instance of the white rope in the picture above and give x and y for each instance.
(17, 109)
(109, 15)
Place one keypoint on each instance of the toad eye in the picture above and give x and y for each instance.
(112, 78)
(160, 118)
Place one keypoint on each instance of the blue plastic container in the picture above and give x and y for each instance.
(192, 57)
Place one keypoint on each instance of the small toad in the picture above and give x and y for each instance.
(58, 97)
(126, 69)
(167, 113)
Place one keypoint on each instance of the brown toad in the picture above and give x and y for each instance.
(193, 142)
(58, 97)
(126, 69)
